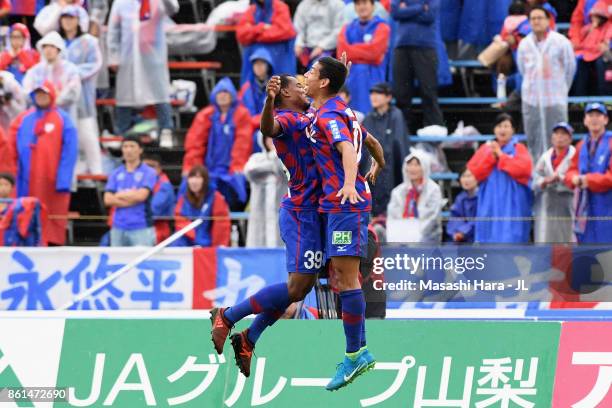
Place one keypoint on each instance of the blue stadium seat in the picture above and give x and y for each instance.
(475, 138)
(492, 100)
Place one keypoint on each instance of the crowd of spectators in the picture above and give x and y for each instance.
(55, 51)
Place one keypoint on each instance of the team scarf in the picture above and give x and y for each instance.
(145, 10)
(556, 160)
(412, 200)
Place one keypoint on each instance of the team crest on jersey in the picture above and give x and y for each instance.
(333, 126)
(342, 237)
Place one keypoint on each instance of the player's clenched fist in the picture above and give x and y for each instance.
(273, 86)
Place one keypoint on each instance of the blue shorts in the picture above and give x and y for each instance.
(347, 234)
(302, 231)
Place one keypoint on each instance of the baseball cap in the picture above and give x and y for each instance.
(564, 125)
(43, 87)
(382, 88)
(596, 106)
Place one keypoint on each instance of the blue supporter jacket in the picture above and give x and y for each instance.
(416, 26)
(504, 194)
(279, 39)
(366, 45)
(21, 223)
(463, 207)
(481, 20)
(599, 193)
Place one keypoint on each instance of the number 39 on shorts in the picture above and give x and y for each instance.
(314, 259)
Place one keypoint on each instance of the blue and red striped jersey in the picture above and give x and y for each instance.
(335, 122)
(293, 149)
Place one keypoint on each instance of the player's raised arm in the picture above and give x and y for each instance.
(349, 164)
(268, 125)
(378, 157)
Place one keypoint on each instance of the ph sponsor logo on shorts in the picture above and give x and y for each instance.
(342, 237)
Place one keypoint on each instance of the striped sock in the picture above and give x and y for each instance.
(271, 298)
(261, 323)
(353, 309)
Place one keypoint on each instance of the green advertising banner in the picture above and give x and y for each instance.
(140, 363)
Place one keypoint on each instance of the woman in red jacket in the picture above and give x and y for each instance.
(18, 56)
(594, 42)
(267, 24)
(580, 18)
(503, 170)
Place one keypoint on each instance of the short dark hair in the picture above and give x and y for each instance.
(152, 157)
(132, 138)
(371, 1)
(502, 117)
(539, 8)
(332, 69)
(8, 177)
(284, 83)
(345, 90)
(517, 8)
